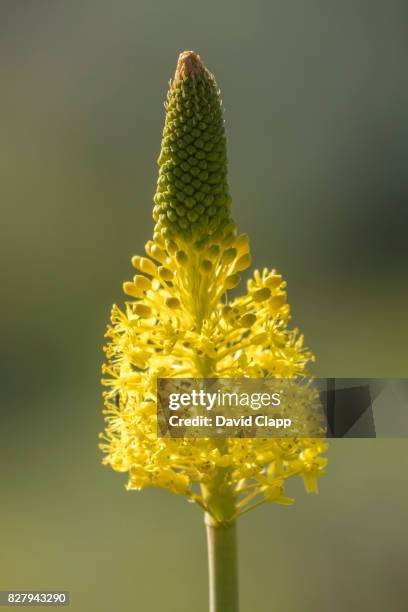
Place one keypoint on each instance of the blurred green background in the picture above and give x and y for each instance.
(316, 100)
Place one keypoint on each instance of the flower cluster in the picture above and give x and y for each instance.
(182, 322)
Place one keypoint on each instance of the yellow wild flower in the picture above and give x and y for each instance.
(181, 321)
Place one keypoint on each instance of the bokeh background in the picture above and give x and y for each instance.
(316, 100)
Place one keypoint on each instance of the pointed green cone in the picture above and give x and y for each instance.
(192, 200)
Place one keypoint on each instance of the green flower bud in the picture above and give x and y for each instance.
(193, 159)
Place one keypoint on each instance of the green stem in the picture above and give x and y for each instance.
(222, 565)
(219, 497)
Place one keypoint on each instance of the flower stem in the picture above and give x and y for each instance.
(222, 565)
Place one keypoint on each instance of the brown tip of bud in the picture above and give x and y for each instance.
(189, 65)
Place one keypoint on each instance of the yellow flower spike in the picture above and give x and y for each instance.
(185, 324)
(206, 266)
(214, 251)
(243, 262)
(273, 281)
(165, 274)
(142, 310)
(157, 252)
(144, 265)
(278, 301)
(260, 295)
(247, 320)
(142, 282)
(181, 258)
(232, 281)
(241, 244)
(170, 264)
(228, 256)
(173, 303)
(132, 290)
(259, 338)
(171, 247)
(310, 481)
